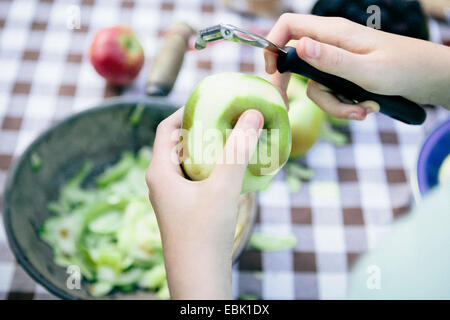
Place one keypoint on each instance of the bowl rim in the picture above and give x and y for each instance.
(114, 102)
(425, 147)
(246, 235)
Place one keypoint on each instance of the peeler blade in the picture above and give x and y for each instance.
(207, 35)
(232, 33)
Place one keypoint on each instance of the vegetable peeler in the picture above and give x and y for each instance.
(396, 107)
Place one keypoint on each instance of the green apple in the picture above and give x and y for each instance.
(211, 112)
(336, 121)
(444, 170)
(297, 87)
(305, 117)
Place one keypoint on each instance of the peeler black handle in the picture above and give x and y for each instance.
(396, 107)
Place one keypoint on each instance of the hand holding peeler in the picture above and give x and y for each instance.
(396, 107)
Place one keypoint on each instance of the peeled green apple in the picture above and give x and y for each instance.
(211, 112)
(305, 117)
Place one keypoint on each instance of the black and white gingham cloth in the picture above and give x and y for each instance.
(358, 189)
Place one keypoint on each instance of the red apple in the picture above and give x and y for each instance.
(117, 55)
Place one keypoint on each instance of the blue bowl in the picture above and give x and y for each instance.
(434, 150)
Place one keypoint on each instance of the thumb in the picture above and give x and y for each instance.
(238, 149)
(331, 59)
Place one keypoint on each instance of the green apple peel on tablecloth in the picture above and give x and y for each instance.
(210, 114)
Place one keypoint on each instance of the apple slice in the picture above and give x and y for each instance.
(444, 170)
(211, 112)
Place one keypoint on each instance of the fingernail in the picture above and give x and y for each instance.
(312, 48)
(370, 106)
(355, 116)
(251, 120)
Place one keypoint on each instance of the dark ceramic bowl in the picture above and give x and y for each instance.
(100, 135)
(433, 152)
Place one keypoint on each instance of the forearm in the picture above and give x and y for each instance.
(434, 76)
(440, 94)
(197, 274)
(198, 258)
(416, 69)
(436, 8)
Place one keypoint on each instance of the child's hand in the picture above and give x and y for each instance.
(377, 61)
(197, 219)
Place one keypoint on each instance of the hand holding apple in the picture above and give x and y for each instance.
(117, 55)
(197, 219)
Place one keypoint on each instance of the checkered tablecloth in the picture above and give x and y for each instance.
(358, 189)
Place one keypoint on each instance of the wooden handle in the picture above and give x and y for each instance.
(167, 63)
